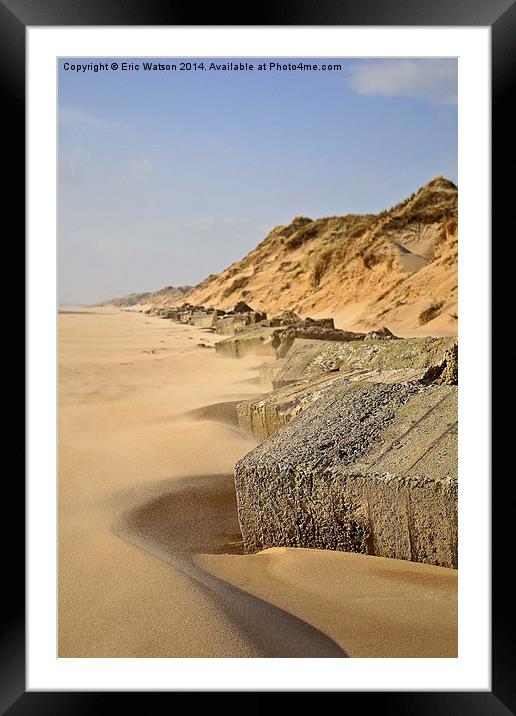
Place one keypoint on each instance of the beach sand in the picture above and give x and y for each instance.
(150, 554)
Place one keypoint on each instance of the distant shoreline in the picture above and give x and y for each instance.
(82, 308)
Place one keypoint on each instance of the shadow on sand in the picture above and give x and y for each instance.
(198, 515)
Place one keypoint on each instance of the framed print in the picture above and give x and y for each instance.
(253, 249)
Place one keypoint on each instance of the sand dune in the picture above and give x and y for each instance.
(365, 271)
(199, 514)
(371, 606)
(149, 546)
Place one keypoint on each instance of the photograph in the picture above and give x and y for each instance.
(257, 357)
(253, 242)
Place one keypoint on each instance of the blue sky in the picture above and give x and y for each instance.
(166, 177)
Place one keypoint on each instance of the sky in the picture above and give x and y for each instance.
(167, 176)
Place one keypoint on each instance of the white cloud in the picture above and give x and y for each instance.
(70, 116)
(431, 80)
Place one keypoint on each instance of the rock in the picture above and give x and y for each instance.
(383, 360)
(265, 415)
(202, 319)
(232, 323)
(287, 318)
(382, 334)
(272, 323)
(447, 372)
(224, 412)
(172, 314)
(242, 307)
(322, 322)
(254, 317)
(368, 468)
(283, 339)
(255, 339)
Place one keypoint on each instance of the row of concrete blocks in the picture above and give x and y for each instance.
(277, 336)
(223, 322)
(361, 460)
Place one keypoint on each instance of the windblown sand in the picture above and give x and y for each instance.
(150, 561)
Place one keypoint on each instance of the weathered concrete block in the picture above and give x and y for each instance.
(171, 314)
(242, 307)
(236, 322)
(263, 416)
(384, 360)
(203, 320)
(284, 338)
(322, 329)
(229, 325)
(370, 468)
(268, 371)
(322, 322)
(254, 340)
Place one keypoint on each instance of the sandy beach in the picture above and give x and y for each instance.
(150, 554)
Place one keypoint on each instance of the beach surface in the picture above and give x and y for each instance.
(150, 553)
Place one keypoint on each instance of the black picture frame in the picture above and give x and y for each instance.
(15, 17)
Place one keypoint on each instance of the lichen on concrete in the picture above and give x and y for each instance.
(369, 468)
(265, 415)
(385, 360)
